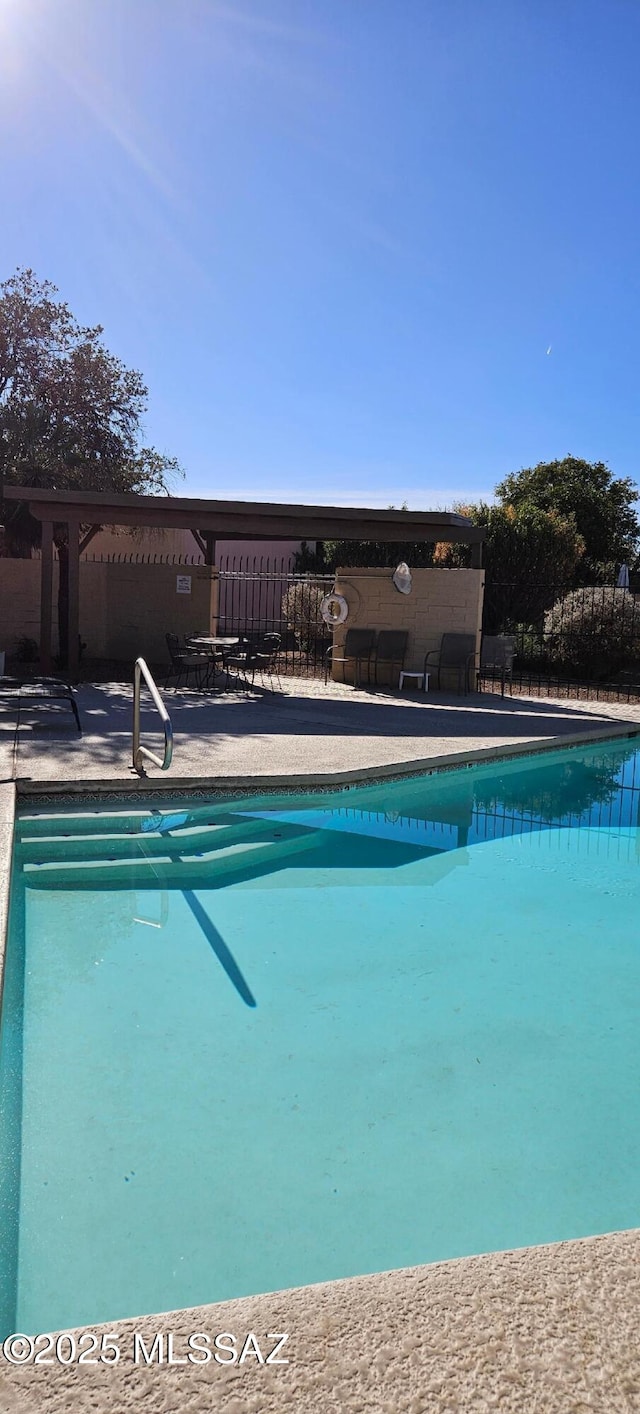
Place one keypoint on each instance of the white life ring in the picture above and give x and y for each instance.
(334, 608)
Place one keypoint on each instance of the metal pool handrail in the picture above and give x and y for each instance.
(139, 752)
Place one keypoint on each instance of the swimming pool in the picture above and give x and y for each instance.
(254, 1043)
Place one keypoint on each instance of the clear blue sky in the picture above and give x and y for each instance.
(338, 236)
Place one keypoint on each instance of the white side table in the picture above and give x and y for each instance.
(422, 680)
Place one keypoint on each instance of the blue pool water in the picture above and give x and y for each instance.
(258, 1043)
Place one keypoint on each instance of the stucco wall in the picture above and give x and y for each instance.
(441, 601)
(20, 600)
(125, 609)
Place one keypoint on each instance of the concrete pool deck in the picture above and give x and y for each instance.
(546, 1330)
(543, 1330)
(306, 734)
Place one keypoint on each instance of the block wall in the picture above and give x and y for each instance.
(441, 601)
(125, 609)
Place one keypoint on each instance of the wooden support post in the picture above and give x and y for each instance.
(46, 595)
(210, 543)
(476, 555)
(74, 597)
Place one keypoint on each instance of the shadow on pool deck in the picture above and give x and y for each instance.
(302, 731)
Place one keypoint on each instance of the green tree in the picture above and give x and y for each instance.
(603, 507)
(70, 414)
(528, 555)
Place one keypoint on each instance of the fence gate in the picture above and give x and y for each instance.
(276, 600)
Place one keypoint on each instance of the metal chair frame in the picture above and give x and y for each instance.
(367, 638)
(391, 651)
(496, 656)
(456, 654)
(183, 662)
(259, 654)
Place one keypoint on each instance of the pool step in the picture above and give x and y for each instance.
(189, 840)
(176, 869)
(50, 824)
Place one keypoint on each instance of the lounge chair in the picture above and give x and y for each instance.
(357, 648)
(391, 651)
(456, 654)
(31, 691)
(496, 658)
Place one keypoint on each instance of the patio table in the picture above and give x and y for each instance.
(213, 641)
(205, 640)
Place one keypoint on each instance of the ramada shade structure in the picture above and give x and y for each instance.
(211, 520)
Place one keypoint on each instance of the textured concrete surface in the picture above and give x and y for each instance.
(545, 1330)
(307, 731)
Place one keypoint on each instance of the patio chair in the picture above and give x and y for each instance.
(259, 654)
(456, 654)
(357, 648)
(240, 661)
(391, 651)
(184, 662)
(268, 653)
(496, 658)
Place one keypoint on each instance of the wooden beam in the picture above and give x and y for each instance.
(74, 597)
(273, 525)
(86, 539)
(69, 503)
(46, 595)
(255, 520)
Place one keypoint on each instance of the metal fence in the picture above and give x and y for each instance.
(581, 642)
(572, 642)
(276, 600)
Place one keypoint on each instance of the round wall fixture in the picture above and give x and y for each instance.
(334, 608)
(402, 578)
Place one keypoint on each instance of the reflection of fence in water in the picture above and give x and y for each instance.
(601, 838)
(597, 830)
(618, 810)
(450, 835)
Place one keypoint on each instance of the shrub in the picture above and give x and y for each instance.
(301, 610)
(594, 631)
